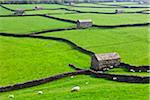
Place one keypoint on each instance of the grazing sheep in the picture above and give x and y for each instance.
(72, 76)
(76, 88)
(107, 69)
(40, 92)
(111, 66)
(11, 96)
(104, 69)
(86, 82)
(114, 78)
(100, 71)
(132, 70)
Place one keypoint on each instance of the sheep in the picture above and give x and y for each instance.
(139, 70)
(132, 70)
(100, 71)
(86, 82)
(72, 77)
(107, 69)
(111, 66)
(114, 78)
(76, 88)
(40, 92)
(11, 96)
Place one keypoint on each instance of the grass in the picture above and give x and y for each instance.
(47, 12)
(104, 19)
(128, 43)
(40, 58)
(31, 6)
(4, 11)
(96, 89)
(24, 59)
(22, 25)
(108, 9)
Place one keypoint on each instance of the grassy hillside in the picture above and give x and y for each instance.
(31, 6)
(24, 59)
(104, 19)
(126, 41)
(30, 24)
(4, 11)
(96, 89)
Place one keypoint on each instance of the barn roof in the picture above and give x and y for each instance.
(87, 20)
(107, 56)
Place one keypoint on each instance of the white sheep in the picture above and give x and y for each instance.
(111, 66)
(100, 71)
(86, 82)
(76, 88)
(114, 78)
(72, 76)
(107, 68)
(40, 92)
(11, 96)
(132, 70)
(139, 70)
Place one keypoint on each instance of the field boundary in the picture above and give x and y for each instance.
(106, 7)
(6, 8)
(119, 78)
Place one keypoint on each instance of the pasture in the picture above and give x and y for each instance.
(24, 57)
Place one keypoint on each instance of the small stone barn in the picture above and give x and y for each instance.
(118, 11)
(84, 23)
(106, 60)
(19, 12)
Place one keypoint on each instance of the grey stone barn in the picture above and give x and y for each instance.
(84, 23)
(106, 60)
(19, 12)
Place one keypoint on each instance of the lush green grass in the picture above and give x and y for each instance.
(130, 43)
(119, 3)
(31, 6)
(126, 72)
(47, 12)
(97, 89)
(25, 59)
(30, 24)
(4, 11)
(104, 19)
(108, 9)
(91, 5)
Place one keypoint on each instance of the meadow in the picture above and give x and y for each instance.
(104, 19)
(23, 59)
(29, 24)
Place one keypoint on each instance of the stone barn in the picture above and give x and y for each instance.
(106, 60)
(84, 23)
(19, 12)
(118, 11)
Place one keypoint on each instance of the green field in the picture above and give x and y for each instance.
(4, 11)
(25, 59)
(31, 6)
(108, 10)
(30, 24)
(104, 19)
